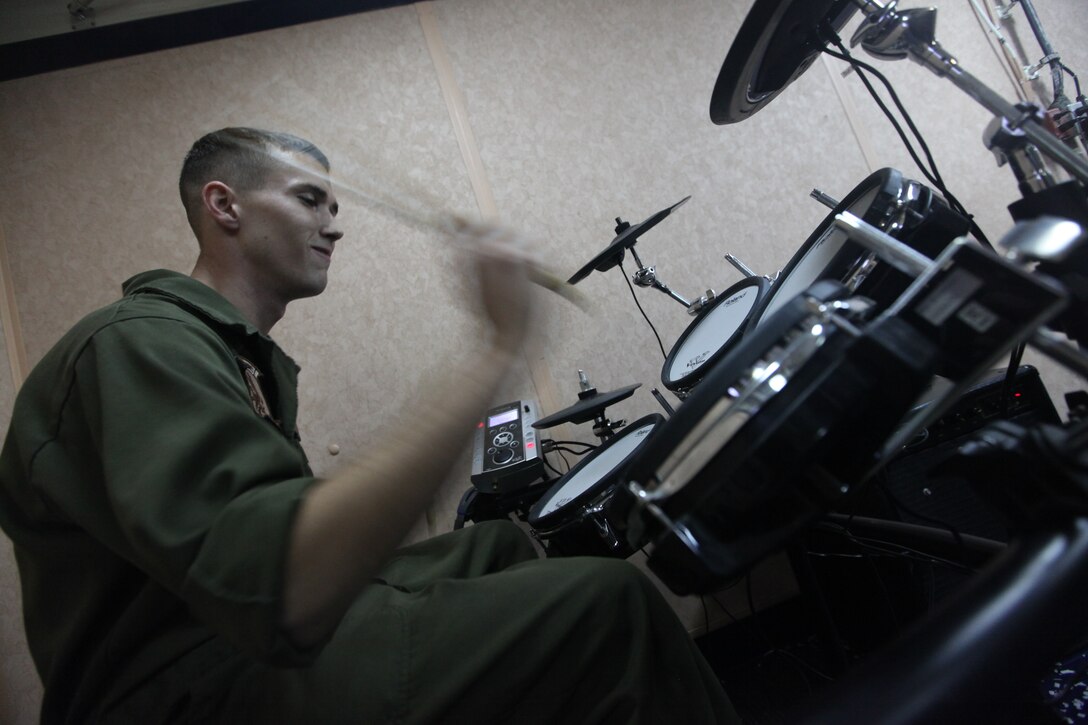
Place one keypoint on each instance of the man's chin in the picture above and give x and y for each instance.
(313, 289)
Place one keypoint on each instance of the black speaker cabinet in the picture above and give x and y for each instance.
(871, 588)
(909, 489)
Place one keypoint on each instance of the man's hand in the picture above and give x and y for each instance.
(503, 264)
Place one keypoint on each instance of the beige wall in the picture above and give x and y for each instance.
(582, 110)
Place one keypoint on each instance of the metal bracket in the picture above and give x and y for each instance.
(1004, 11)
(1032, 71)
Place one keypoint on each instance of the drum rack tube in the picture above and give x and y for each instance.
(740, 266)
(887, 247)
(1055, 348)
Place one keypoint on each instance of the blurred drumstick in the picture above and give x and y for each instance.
(489, 237)
(418, 211)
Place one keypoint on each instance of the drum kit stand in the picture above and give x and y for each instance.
(798, 390)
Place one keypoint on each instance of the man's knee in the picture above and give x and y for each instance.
(503, 535)
(609, 578)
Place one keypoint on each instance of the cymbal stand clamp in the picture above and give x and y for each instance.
(1010, 146)
(647, 277)
(604, 428)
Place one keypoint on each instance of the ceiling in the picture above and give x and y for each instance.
(38, 36)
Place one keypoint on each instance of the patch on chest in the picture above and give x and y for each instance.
(252, 375)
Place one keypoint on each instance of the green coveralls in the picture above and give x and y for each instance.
(149, 487)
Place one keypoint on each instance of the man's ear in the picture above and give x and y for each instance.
(220, 202)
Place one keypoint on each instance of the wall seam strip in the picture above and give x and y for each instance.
(864, 142)
(533, 351)
(9, 317)
(455, 105)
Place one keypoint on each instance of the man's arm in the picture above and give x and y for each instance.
(348, 525)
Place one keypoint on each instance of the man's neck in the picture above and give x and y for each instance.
(263, 313)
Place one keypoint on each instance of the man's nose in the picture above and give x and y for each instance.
(332, 230)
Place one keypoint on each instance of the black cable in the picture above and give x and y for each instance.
(717, 601)
(873, 570)
(931, 172)
(565, 461)
(885, 595)
(836, 555)
(858, 65)
(752, 612)
(799, 660)
(544, 458)
(875, 547)
(1076, 81)
(755, 624)
(898, 550)
(572, 451)
(576, 443)
(554, 445)
(773, 648)
(551, 468)
(639, 305)
(873, 551)
(554, 442)
(907, 552)
(727, 612)
(1078, 120)
(751, 599)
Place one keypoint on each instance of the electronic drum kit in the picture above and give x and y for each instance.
(796, 390)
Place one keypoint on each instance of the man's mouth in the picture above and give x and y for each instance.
(326, 253)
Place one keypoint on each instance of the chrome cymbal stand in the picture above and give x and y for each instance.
(892, 34)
